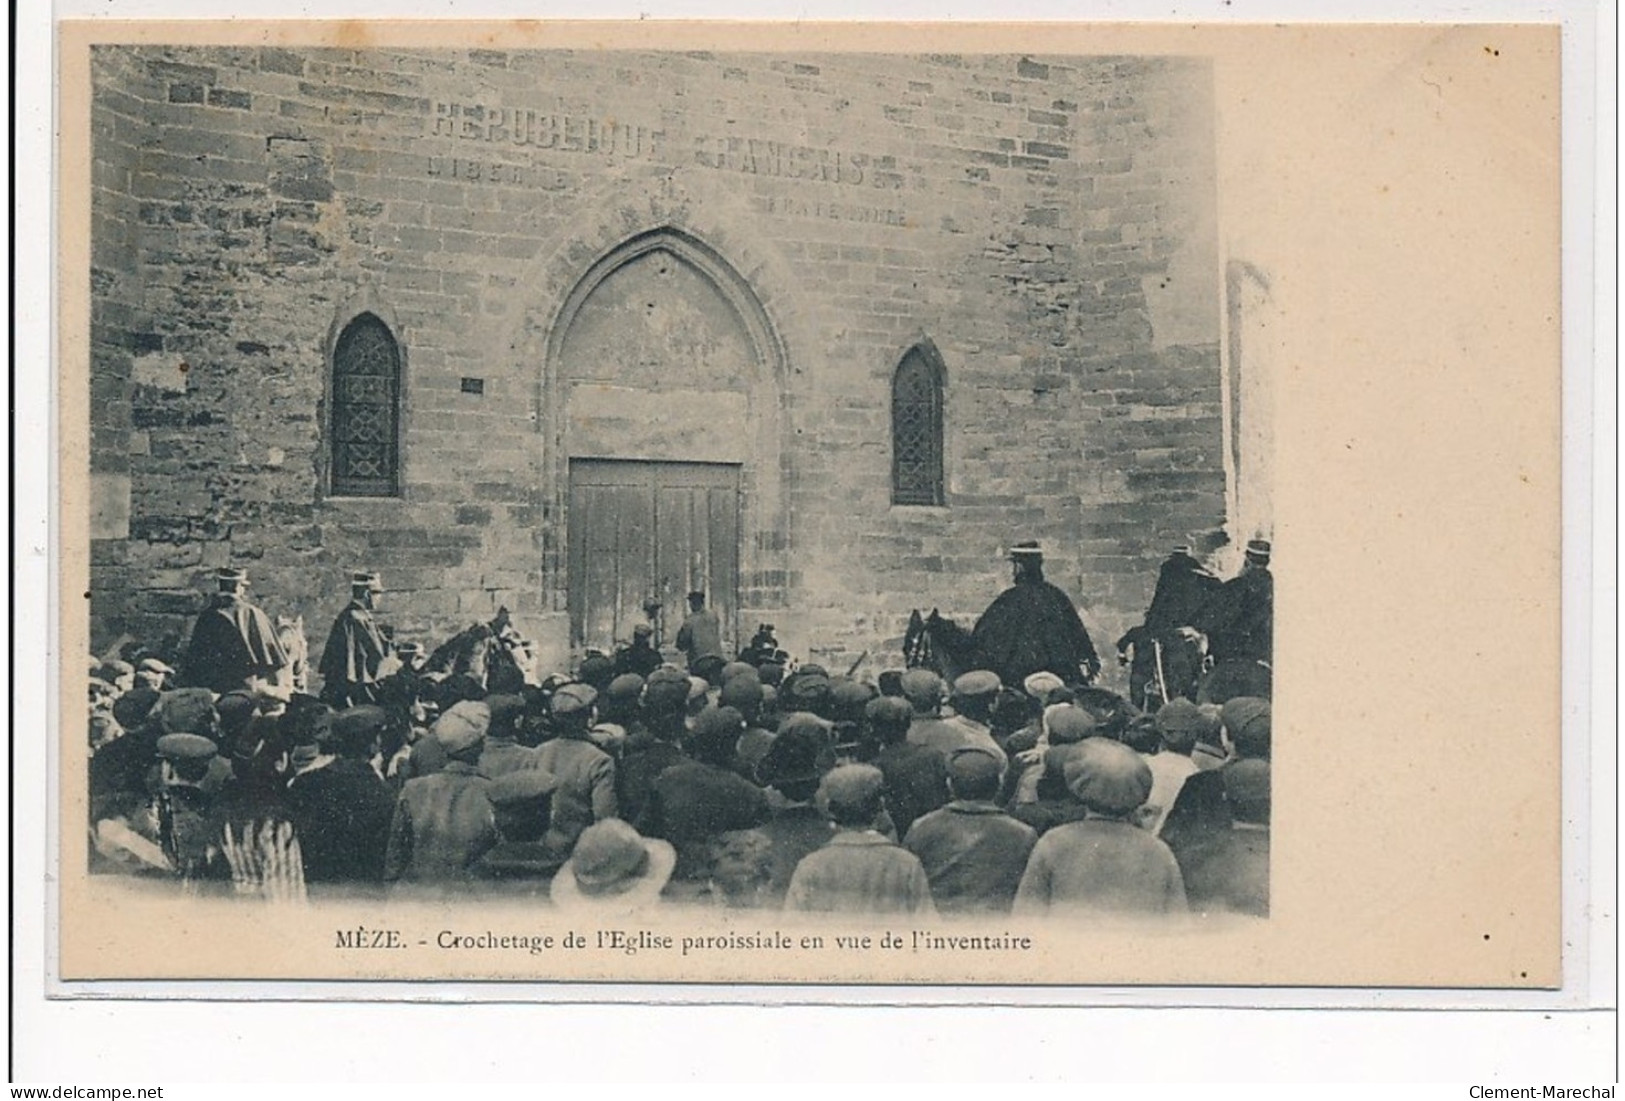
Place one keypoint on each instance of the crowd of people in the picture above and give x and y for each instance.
(748, 781)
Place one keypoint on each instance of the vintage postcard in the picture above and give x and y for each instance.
(698, 503)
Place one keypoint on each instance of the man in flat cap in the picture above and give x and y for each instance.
(1180, 724)
(233, 644)
(973, 853)
(700, 637)
(1034, 626)
(443, 822)
(973, 696)
(859, 870)
(522, 863)
(1239, 617)
(924, 692)
(1105, 863)
(585, 773)
(357, 655)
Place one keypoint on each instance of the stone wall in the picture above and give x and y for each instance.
(1047, 223)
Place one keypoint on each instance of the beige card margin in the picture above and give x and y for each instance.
(1400, 185)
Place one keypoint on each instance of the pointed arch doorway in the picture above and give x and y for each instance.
(666, 375)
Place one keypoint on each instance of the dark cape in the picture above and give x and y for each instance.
(349, 665)
(1033, 627)
(232, 642)
(1184, 588)
(1239, 618)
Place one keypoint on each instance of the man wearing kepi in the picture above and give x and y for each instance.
(1033, 626)
(1239, 618)
(233, 643)
(356, 657)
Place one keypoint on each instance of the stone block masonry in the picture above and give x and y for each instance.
(1048, 224)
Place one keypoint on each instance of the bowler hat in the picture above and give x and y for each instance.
(800, 753)
(597, 670)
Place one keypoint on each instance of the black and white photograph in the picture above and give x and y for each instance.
(728, 507)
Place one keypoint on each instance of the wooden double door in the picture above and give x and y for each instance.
(643, 531)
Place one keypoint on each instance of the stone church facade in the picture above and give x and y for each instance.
(570, 332)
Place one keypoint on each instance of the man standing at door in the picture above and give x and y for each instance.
(700, 637)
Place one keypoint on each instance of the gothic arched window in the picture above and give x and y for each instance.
(364, 430)
(916, 429)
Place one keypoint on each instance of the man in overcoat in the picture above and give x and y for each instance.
(233, 644)
(357, 656)
(1034, 626)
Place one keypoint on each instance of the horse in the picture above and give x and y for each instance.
(1235, 677)
(294, 676)
(939, 644)
(1165, 665)
(487, 653)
